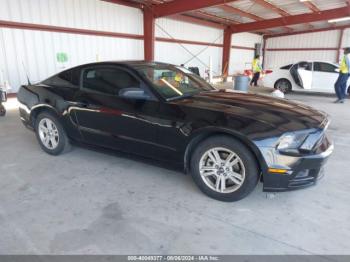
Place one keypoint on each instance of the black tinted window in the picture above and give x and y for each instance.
(305, 66)
(287, 67)
(108, 80)
(324, 67)
(68, 78)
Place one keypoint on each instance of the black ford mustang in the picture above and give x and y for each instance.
(227, 141)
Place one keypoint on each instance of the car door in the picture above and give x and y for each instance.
(304, 73)
(115, 109)
(325, 75)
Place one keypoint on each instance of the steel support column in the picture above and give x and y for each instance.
(226, 51)
(149, 34)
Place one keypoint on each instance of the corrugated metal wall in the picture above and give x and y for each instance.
(85, 14)
(184, 53)
(37, 50)
(240, 59)
(326, 39)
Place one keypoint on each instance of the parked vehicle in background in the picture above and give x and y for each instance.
(226, 140)
(306, 76)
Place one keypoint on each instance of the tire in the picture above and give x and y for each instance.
(2, 110)
(284, 85)
(59, 141)
(244, 164)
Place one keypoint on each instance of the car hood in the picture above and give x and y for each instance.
(280, 113)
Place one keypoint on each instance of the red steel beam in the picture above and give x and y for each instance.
(292, 20)
(69, 30)
(149, 34)
(308, 31)
(188, 42)
(303, 49)
(181, 6)
(226, 52)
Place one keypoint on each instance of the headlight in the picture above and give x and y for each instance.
(291, 141)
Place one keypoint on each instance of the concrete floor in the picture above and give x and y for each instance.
(88, 202)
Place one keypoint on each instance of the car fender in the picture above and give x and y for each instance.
(206, 132)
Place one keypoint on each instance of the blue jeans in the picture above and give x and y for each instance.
(341, 85)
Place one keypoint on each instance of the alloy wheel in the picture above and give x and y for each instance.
(48, 133)
(222, 170)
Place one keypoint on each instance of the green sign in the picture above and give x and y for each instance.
(62, 57)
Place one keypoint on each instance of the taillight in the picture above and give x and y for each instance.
(268, 72)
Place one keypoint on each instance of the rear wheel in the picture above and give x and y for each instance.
(50, 134)
(224, 169)
(283, 85)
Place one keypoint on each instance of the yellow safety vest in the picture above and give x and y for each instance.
(344, 67)
(256, 66)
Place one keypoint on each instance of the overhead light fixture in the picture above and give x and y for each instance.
(339, 19)
(304, 0)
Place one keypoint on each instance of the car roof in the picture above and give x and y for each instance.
(308, 61)
(131, 63)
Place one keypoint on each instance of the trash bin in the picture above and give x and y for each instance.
(241, 83)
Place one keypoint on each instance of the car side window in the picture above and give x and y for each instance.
(324, 67)
(68, 79)
(305, 65)
(108, 80)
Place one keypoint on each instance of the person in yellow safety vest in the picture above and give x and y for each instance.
(340, 85)
(256, 67)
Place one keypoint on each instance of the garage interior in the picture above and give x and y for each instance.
(98, 202)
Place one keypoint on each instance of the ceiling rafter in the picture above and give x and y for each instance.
(182, 6)
(311, 6)
(278, 10)
(207, 15)
(234, 10)
(309, 31)
(198, 21)
(292, 20)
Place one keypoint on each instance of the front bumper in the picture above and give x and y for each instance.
(303, 171)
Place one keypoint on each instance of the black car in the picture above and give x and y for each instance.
(226, 140)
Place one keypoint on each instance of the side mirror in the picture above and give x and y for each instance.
(134, 93)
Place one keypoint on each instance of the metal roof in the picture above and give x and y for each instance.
(248, 11)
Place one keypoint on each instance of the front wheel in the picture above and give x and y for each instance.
(224, 169)
(283, 85)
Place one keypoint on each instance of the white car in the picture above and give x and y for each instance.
(303, 76)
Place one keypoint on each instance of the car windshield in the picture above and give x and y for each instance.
(174, 82)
